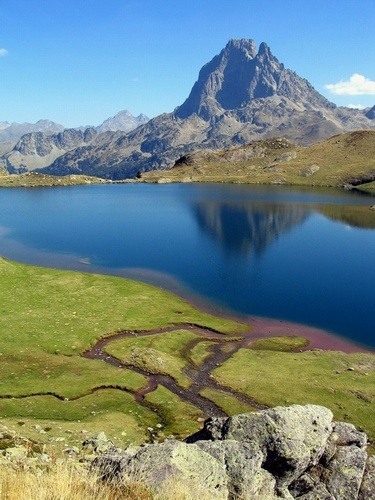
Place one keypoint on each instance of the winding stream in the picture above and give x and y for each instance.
(199, 376)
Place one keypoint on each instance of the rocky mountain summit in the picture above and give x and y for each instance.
(283, 452)
(123, 121)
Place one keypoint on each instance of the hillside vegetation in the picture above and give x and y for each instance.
(33, 179)
(343, 160)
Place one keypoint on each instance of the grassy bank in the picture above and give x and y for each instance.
(34, 179)
(341, 160)
(345, 383)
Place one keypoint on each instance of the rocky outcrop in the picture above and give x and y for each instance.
(293, 452)
(239, 75)
(283, 452)
(309, 170)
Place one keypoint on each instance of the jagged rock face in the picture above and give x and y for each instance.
(40, 144)
(38, 150)
(293, 452)
(34, 143)
(238, 75)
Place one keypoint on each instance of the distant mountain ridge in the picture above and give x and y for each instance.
(46, 141)
(14, 131)
(241, 95)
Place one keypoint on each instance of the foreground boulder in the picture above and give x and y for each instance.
(292, 452)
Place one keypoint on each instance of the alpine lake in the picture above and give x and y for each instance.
(294, 254)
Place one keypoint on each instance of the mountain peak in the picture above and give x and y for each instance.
(123, 121)
(264, 49)
(239, 76)
(232, 79)
(243, 44)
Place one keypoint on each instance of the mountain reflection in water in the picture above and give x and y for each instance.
(245, 227)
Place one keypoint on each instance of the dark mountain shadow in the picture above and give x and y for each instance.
(242, 228)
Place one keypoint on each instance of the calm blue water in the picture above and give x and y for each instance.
(285, 253)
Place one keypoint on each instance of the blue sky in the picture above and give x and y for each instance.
(78, 62)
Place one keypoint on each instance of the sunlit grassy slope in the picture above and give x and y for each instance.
(342, 159)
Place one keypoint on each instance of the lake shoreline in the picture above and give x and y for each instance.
(262, 327)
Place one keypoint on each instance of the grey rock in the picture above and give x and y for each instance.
(343, 475)
(293, 452)
(157, 464)
(343, 434)
(35, 143)
(16, 453)
(371, 113)
(309, 171)
(291, 439)
(367, 490)
(243, 467)
(99, 443)
(288, 156)
(309, 487)
(346, 434)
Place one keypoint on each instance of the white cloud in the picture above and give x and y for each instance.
(3, 52)
(356, 106)
(356, 85)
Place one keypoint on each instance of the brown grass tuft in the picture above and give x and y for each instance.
(65, 483)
